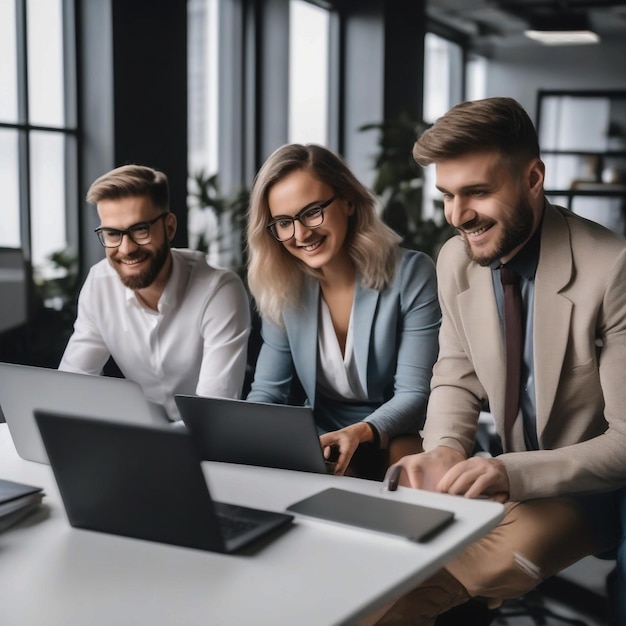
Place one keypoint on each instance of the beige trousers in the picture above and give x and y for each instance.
(535, 540)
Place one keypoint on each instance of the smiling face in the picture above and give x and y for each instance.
(495, 210)
(138, 266)
(321, 247)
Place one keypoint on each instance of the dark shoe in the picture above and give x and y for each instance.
(474, 612)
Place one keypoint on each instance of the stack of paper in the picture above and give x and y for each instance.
(16, 501)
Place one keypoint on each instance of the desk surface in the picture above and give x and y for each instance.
(315, 573)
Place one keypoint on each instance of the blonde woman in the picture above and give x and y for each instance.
(342, 305)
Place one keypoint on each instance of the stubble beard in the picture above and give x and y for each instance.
(516, 229)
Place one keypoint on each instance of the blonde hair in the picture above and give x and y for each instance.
(131, 180)
(276, 277)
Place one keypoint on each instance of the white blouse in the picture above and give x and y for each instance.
(337, 375)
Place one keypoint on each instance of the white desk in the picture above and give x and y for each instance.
(314, 574)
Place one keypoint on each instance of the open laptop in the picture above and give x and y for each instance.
(144, 482)
(254, 433)
(24, 388)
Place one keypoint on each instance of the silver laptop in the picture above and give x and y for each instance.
(145, 482)
(24, 388)
(254, 433)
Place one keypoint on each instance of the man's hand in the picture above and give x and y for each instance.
(425, 469)
(448, 471)
(347, 441)
(477, 476)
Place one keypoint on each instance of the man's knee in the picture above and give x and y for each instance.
(534, 541)
(498, 576)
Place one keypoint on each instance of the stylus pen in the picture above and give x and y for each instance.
(392, 477)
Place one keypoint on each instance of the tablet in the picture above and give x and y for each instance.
(411, 521)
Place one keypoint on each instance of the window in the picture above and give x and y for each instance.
(308, 73)
(443, 80)
(202, 127)
(10, 231)
(203, 77)
(38, 135)
(476, 77)
(443, 75)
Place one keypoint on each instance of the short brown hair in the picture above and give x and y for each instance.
(131, 180)
(476, 126)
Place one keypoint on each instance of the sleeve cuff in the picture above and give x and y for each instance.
(376, 441)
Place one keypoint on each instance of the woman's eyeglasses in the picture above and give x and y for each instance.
(283, 228)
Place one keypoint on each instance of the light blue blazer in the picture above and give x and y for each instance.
(395, 347)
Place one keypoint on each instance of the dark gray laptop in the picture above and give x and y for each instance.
(254, 433)
(144, 482)
(24, 388)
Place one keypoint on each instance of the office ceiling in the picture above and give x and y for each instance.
(493, 23)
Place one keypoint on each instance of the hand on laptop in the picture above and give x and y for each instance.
(346, 440)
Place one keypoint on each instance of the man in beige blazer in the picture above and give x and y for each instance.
(565, 455)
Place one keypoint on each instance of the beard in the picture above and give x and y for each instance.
(516, 229)
(148, 276)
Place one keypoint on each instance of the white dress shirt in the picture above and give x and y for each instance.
(196, 342)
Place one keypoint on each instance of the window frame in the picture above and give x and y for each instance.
(24, 128)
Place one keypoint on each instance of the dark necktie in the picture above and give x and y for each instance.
(513, 334)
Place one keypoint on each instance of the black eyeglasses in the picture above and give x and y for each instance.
(139, 233)
(283, 228)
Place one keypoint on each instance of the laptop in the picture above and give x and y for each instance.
(254, 433)
(144, 482)
(24, 388)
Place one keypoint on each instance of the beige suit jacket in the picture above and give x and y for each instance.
(580, 360)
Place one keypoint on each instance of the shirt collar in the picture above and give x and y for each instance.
(169, 297)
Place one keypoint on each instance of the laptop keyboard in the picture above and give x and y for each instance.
(233, 526)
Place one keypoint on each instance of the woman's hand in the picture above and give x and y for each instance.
(346, 440)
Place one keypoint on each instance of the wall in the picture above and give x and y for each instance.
(521, 72)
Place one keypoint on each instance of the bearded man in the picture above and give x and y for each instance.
(170, 321)
(553, 381)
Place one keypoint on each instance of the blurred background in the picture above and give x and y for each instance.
(205, 90)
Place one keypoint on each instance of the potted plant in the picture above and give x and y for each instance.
(216, 221)
(399, 183)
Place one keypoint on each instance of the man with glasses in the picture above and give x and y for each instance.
(170, 321)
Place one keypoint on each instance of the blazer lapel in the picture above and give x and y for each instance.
(363, 315)
(479, 317)
(301, 325)
(552, 311)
